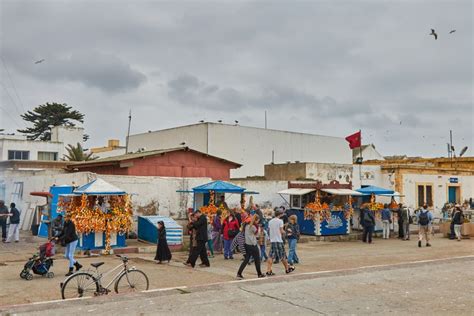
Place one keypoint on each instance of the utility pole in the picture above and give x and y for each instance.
(265, 119)
(128, 132)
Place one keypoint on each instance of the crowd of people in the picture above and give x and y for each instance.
(247, 232)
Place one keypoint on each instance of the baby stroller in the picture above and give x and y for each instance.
(40, 263)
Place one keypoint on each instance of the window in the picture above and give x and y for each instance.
(425, 194)
(296, 201)
(18, 155)
(47, 155)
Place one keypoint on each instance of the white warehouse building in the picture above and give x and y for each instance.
(250, 146)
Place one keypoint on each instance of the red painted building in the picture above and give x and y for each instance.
(176, 162)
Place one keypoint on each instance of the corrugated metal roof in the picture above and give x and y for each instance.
(129, 156)
(342, 192)
(295, 191)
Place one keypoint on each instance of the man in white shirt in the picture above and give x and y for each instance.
(277, 251)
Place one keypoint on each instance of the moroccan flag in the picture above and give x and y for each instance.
(354, 140)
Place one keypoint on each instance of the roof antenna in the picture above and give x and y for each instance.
(128, 133)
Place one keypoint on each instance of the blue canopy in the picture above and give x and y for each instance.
(375, 190)
(219, 187)
(99, 187)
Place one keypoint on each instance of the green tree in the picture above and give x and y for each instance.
(44, 116)
(76, 153)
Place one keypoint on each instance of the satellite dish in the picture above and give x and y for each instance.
(463, 151)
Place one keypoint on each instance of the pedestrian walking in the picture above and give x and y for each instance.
(216, 233)
(458, 219)
(4, 213)
(14, 231)
(262, 240)
(406, 221)
(230, 229)
(277, 250)
(425, 218)
(386, 221)
(210, 247)
(292, 235)
(368, 222)
(163, 252)
(201, 239)
(69, 239)
(251, 229)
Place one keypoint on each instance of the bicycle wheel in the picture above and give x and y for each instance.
(132, 281)
(80, 284)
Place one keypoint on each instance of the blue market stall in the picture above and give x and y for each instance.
(205, 197)
(48, 212)
(321, 212)
(368, 201)
(148, 231)
(101, 212)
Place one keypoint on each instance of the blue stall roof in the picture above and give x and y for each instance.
(99, 187)
(218, 186)
(375, 190)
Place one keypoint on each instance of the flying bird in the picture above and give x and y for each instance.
(236, 122)
(183, 143)
(201, 121)
(452, 31)
(219, 121)
(39, 61)
(434, 34)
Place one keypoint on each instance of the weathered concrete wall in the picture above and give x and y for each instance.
(326, 172)
(288, 171)
(267, 197)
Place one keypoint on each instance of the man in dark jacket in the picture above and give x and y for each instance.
(201, 238)
(14, 231)
(368, 221)
(3, 219)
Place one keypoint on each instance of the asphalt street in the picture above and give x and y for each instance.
(434, 287)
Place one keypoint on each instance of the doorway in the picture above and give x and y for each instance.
(453, 194)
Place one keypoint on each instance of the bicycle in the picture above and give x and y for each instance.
(88, 284)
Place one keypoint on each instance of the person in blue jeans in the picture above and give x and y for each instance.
(262, 240)
(69, 238)
(292, 235)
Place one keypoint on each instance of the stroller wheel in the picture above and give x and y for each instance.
(50, 275)
(29, 276)
(23, 275)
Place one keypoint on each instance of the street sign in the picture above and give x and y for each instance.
(453, 180)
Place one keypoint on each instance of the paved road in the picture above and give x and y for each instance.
(435, 287)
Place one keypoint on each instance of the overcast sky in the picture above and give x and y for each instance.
(323, 67)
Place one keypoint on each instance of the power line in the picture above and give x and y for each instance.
(13, 101)
(13, 119)
(13, 84)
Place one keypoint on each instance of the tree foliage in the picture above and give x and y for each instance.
(76, 153)
(50, 114)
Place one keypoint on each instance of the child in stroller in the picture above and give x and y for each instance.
(41, 262)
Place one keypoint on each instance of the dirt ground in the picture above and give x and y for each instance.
(315, 256)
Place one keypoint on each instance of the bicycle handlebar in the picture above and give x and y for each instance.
(124, 259)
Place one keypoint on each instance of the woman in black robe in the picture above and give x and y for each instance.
(163, 252)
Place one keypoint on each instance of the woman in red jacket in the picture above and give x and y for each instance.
(230, 229)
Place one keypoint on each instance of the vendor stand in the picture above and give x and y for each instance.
(321, 209)
(207, 197)
(369, 201)
(101, 212)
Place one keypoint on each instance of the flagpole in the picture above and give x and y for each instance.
(360, 161)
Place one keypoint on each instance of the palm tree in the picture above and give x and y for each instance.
(76, 153)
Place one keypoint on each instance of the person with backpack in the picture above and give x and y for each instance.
(368, 222)
(14, 231)
(425, 218)
(458, 219)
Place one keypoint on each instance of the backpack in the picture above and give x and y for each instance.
(368, 220)
(423, 219)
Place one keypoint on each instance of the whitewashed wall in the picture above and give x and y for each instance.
(440, 188)
(249, 146)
